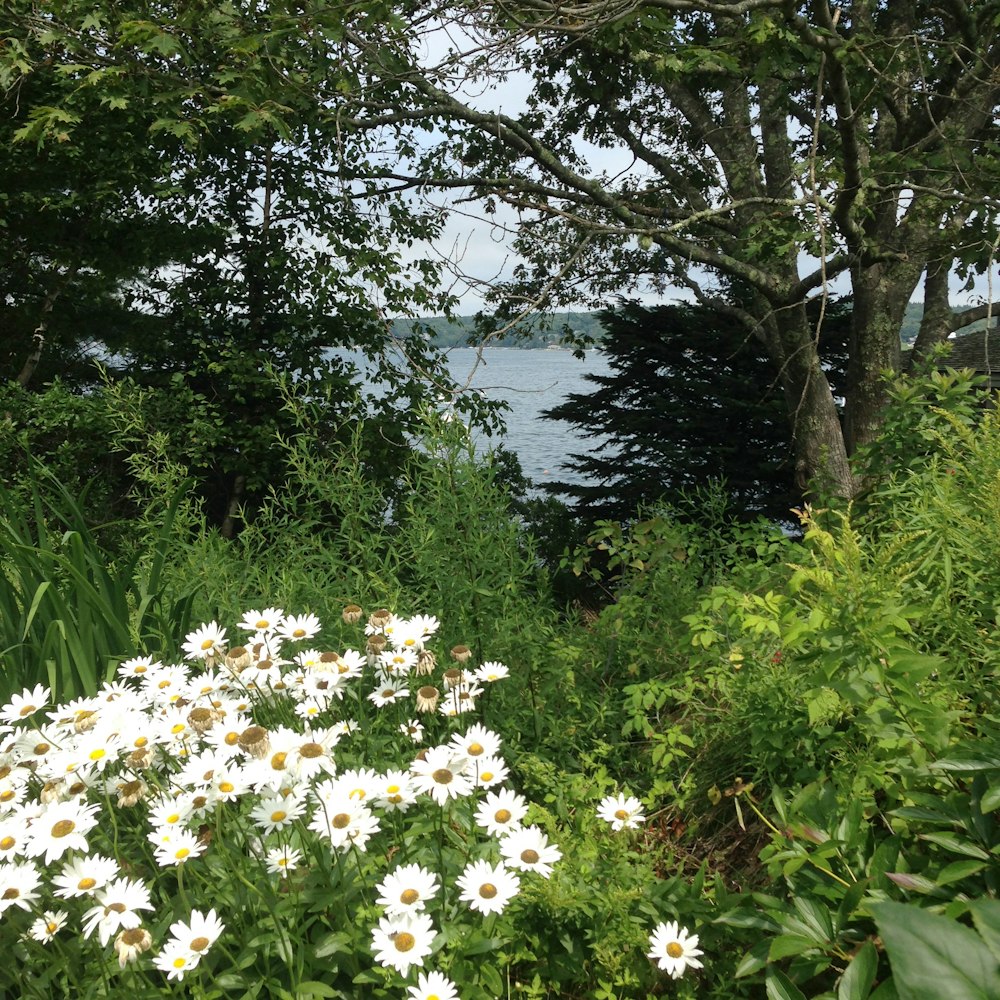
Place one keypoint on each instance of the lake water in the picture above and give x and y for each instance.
(530, 381)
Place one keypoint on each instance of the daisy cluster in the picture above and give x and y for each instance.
(250, 731)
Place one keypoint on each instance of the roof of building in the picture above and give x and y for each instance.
(975, 350)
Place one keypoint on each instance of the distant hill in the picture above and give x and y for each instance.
(536, 331)
(541, 331)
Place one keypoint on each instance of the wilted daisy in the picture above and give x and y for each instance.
(501, 812)
(131, 943)
(48, 925)
(206, 642)
(23, 705)
(621, 811)
(674, 948)
(441, 774)
(406, 889)
(487, 888)
(529, 850)
(403, 941)
(433, 986)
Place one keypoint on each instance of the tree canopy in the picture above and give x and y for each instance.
(788, 147)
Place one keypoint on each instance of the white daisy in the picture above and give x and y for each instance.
(262, 621)
(407, 889)
(282, 860)
(674, 949)
(529, 850)
(83, 876)
(199, 932)
(433, 986)
(115, 909)
(62, 826)
(621, 811)
(19, 881)
(441, 774)
(501, 812)
(23, 705)
(403, 941)
(48, 925)
(487, 888)
(206, 642)
(299, 626)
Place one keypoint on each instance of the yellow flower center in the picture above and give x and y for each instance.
(200, 944)
(341, 820)
(177, 727)
(298, 633)
(115, 908)
(97, 753)
(165, 683)
(502, 815)
(174, 818)
(179, 962)
(7, 843)
(486, 776)
(41, 748)
(63, 828)
(311, 750)
(278, 815)
(27, 710)
(140, 669)
(182, 853)
(231, 739)
(51, 927)
(206, 644)
(226, 786)
(86, 883)
(262, 623)
(6, 795)
(140, 742)
(475, 749)
(621, 814)
(278, 761)
(487, 890)
(392, 789)
(409, 896)
(403, 941)
(674, 950)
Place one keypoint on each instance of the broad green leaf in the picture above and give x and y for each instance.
(986, 917)
(780, 987)
(932, 956)
(789, 944)
(856, 982)
(956, 844)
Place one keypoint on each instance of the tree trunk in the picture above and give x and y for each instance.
(935, 325)
(821, 463)
(228, 528)
(881, 293)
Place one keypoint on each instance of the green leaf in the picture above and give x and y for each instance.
(986, 917)
(789, 944)
(754, 960)
(780, 987)
(958, 870)
(856, 982)
(312, 988)
(990, 800)
(933, 956)
(956, 844)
